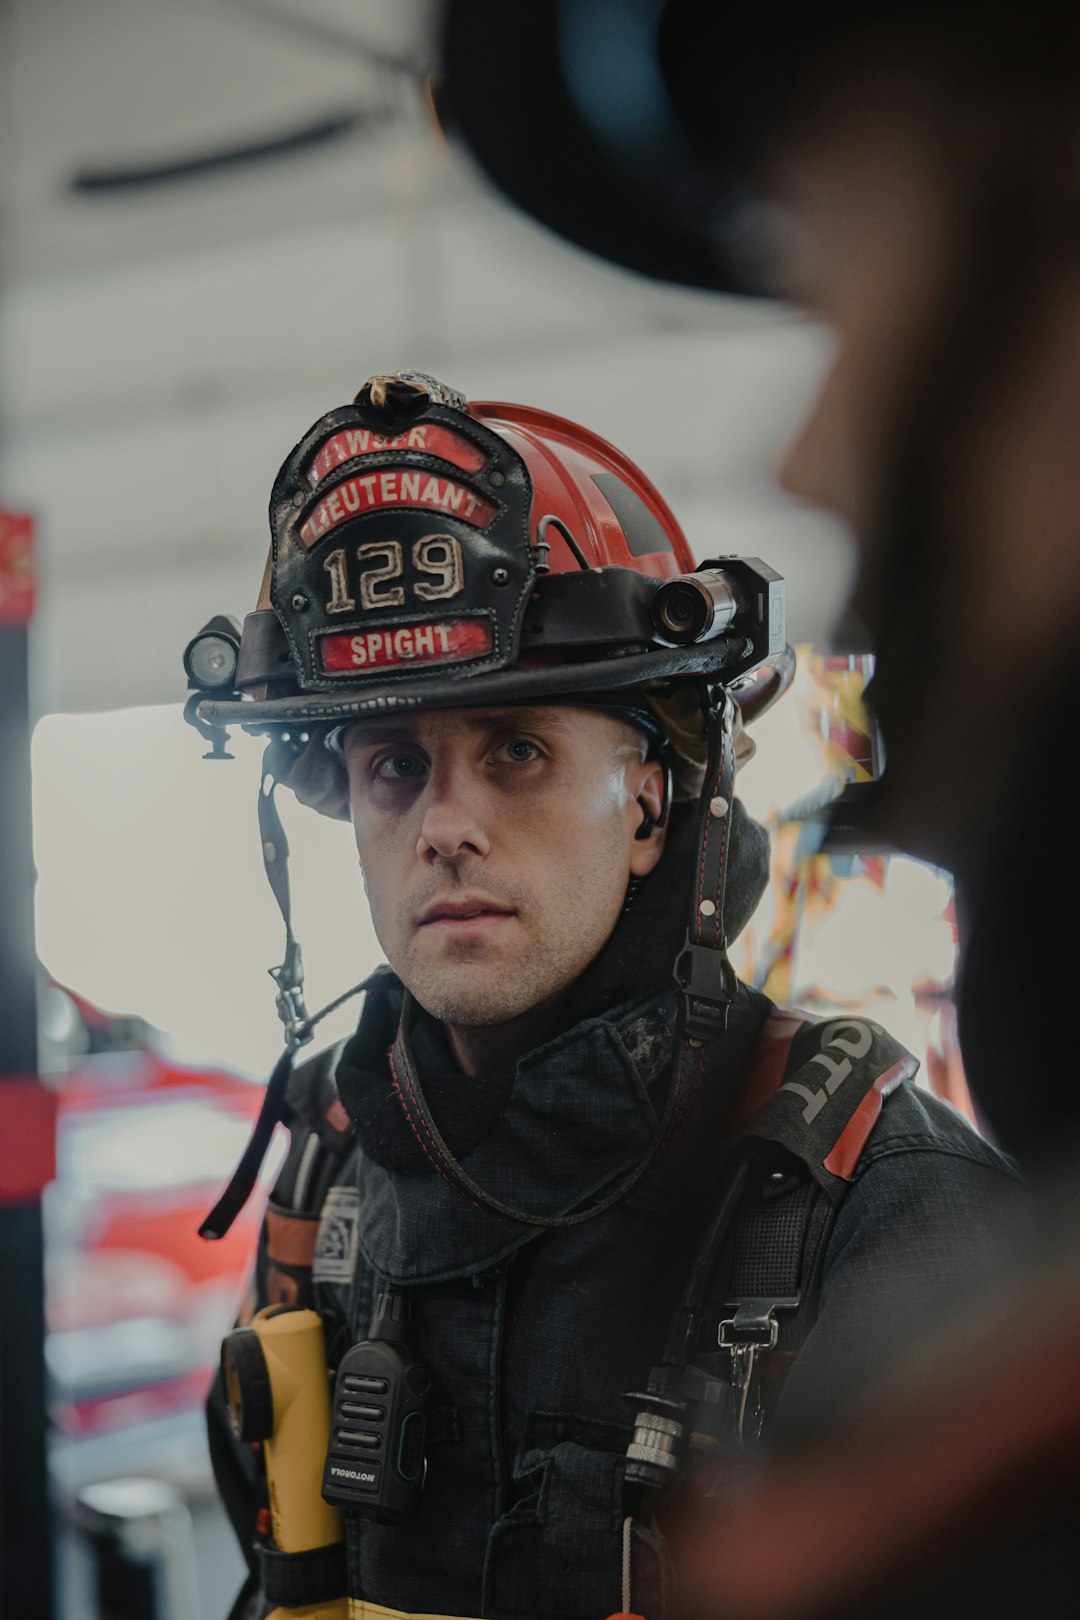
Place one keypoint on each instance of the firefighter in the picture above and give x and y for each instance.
(572, 1201)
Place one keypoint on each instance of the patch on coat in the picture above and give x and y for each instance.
(336, 1244)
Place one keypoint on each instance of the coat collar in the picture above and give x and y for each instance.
(580, 1112)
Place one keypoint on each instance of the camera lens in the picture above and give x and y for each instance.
(695, 607)
(680, 608)
(682, 611)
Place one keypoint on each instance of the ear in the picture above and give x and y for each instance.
(651, 795)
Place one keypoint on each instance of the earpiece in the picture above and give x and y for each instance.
(648, 822)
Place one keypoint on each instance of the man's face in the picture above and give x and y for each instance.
(496, 846)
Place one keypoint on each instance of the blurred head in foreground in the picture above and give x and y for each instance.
(909, 173)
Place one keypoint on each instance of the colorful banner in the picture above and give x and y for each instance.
(853, 933)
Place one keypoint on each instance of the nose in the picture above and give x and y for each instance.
(818, 464)
(454, 820)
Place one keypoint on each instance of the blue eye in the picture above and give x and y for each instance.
(521, 751)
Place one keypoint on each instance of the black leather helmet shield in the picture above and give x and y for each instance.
(431, 553)
(403, 560)
(401, 555)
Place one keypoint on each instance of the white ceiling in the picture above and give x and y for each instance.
(162, 349)
(99, 85)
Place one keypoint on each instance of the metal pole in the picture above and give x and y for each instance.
(27, 1125)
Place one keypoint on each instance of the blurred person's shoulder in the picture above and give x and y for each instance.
(914, 1120)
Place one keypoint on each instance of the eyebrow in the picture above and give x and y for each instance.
(383, 728)
(484, 719)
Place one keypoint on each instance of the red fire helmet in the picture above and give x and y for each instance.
(431, 553)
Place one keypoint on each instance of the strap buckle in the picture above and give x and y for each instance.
(708, 983)
(753, 1324)
(752, 1328)
(719, 707)
(291, 1006)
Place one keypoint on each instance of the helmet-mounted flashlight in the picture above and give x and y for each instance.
(211, 657)
(210, 663)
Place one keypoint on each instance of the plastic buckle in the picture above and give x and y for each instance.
(291, 1006)
(718, 707)
(707, 980)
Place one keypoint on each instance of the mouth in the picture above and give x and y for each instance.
(462, 915)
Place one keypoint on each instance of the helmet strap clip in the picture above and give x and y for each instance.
(216, 736)
(705, 976)
(298, 1023)
(289, 977)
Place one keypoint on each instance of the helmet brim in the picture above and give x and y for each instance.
(456, 690)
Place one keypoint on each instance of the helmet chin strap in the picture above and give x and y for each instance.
(703, 971)
(299, 1024)
(289, 977)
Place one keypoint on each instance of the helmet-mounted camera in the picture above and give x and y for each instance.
(729, 596)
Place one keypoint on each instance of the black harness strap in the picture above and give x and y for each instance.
(752, 1290)
(811, 1119)
(292, 1580)
(769, 1301)
(243, 1179)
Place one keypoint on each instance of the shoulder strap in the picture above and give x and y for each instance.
(320, 1136)
(812, 1094)
(769, 1301)
(815, 1089)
